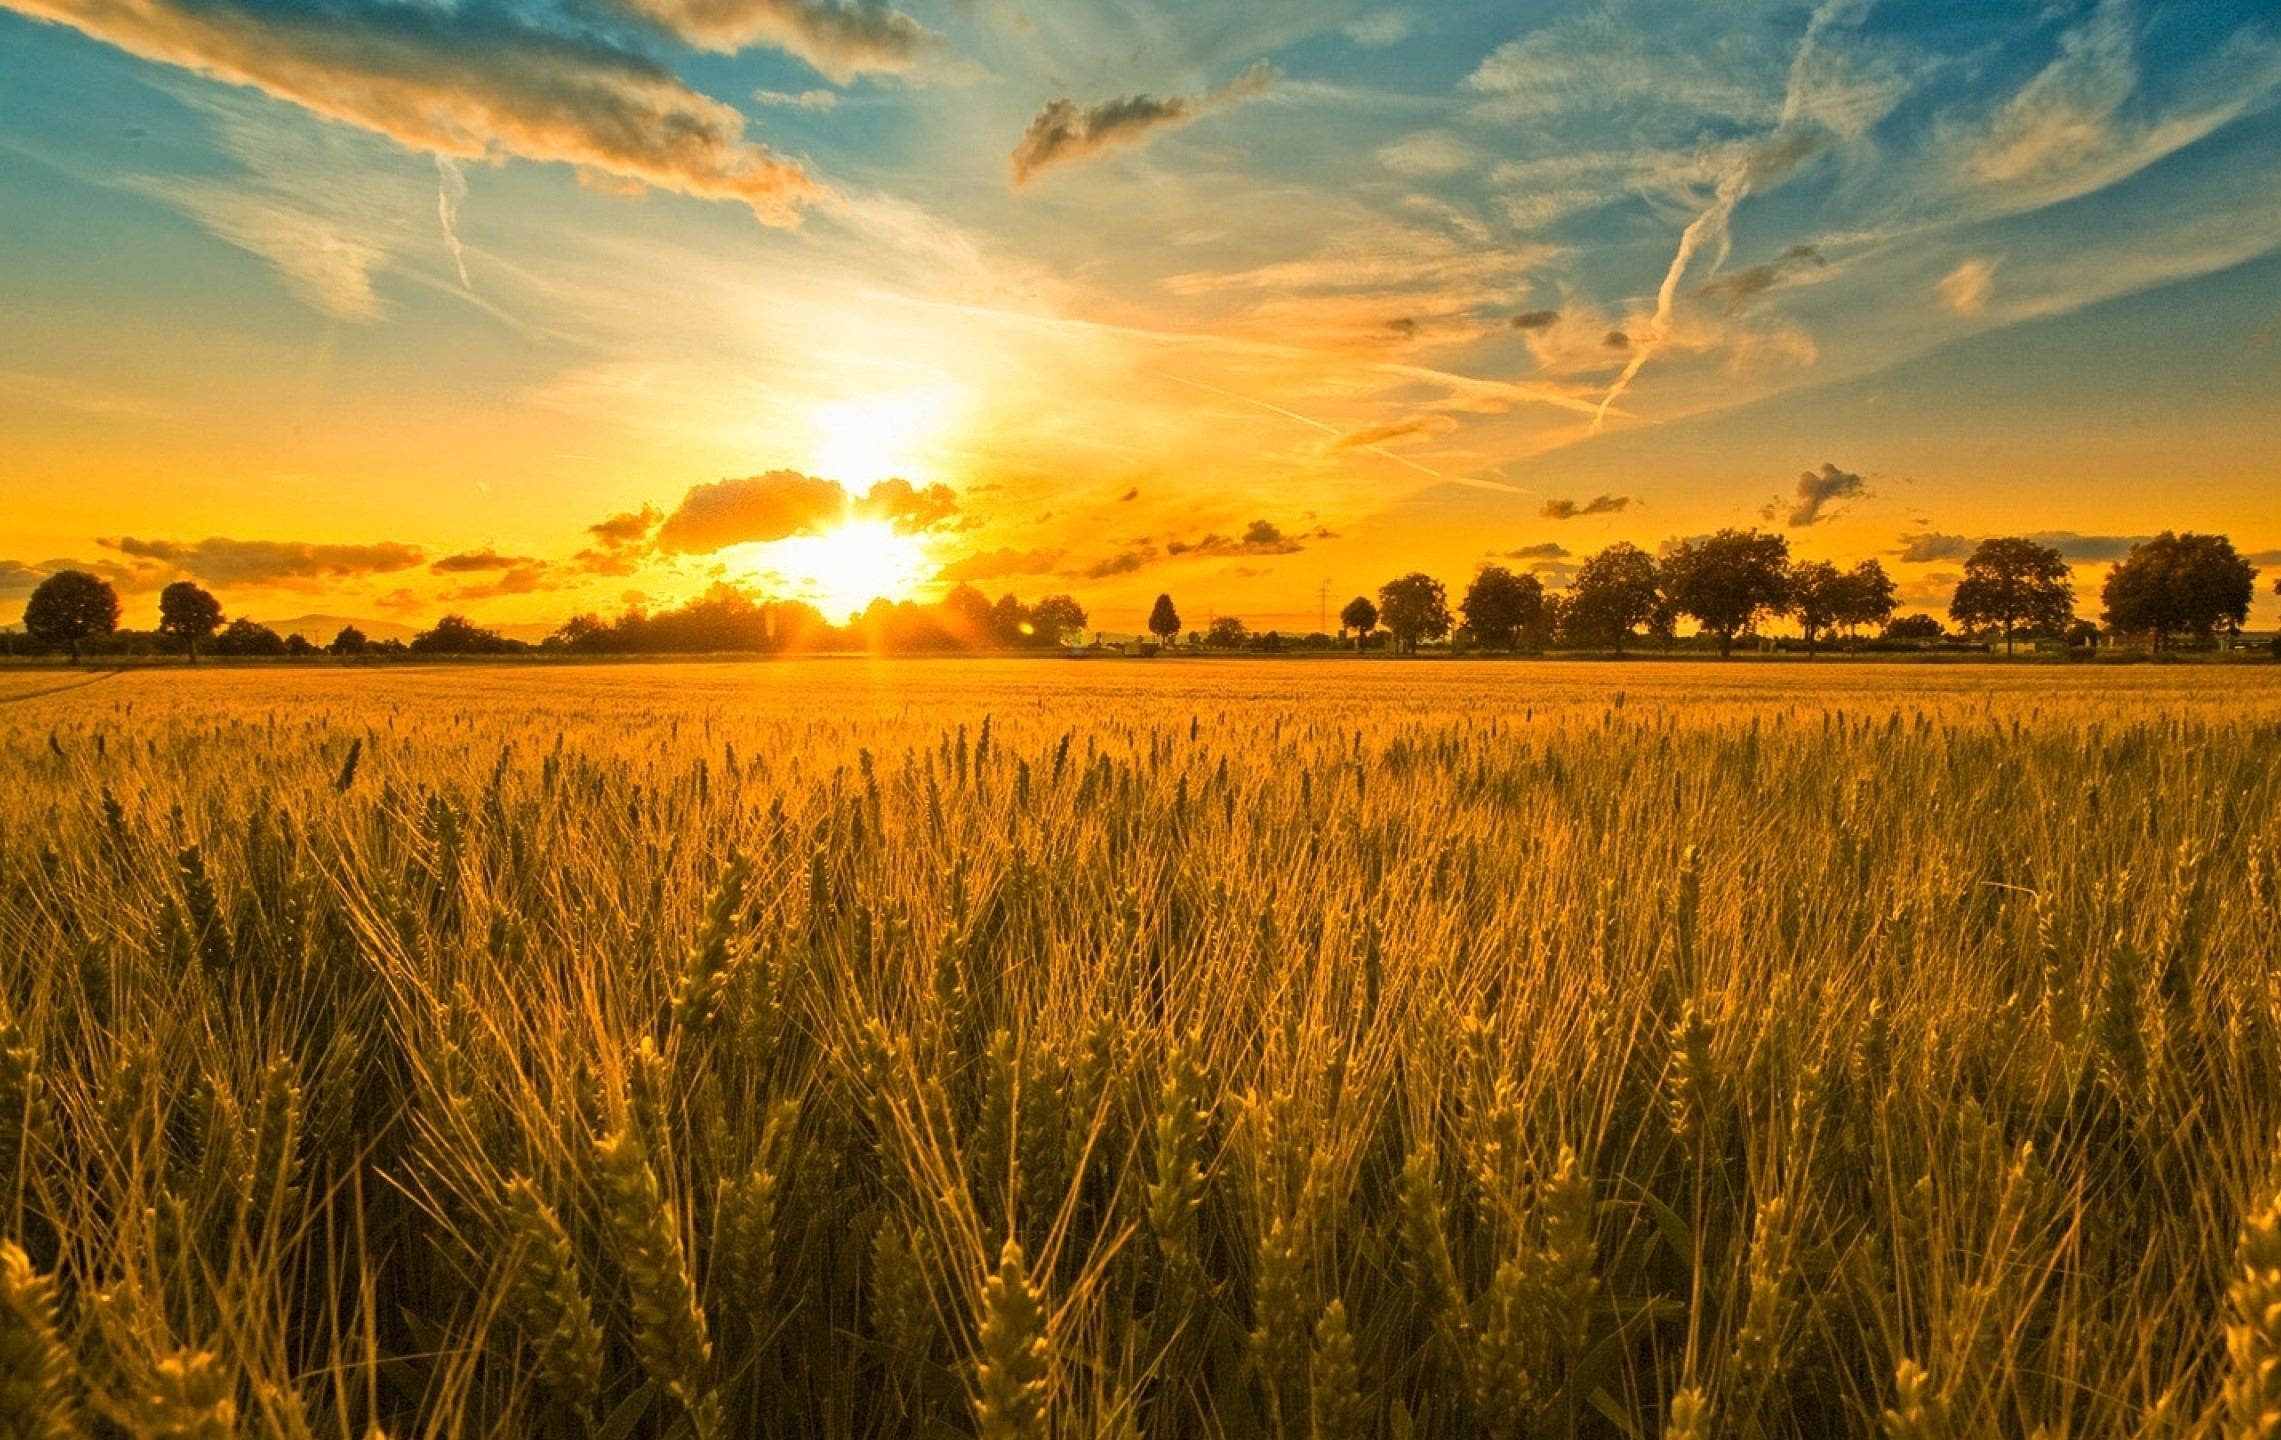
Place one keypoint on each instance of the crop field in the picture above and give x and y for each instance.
(1025, 1049)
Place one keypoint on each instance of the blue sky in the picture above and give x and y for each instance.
(300, 290)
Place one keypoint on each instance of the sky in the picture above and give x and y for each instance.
(524, 308)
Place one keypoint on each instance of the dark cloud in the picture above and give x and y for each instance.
(1549, 550)
(1132, 494)
(1535, 320)
(909, 508)
(477, 562)
(1124, 562)
(631, 528)
(1932, 547)
(1259, 538)
(1616, 340)
(218, 560)
(841, 40)
(1817, 492)
(1597, 505)
(1000, 564)
(1064, 132)
(469, 81)
(1743, 284)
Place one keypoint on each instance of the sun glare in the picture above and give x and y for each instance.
(845, 569)
(878, 437)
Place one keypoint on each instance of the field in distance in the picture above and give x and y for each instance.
(840, 1047)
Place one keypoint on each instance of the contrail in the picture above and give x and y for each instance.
(1477, 484)
(451, 188)
(1794, 139)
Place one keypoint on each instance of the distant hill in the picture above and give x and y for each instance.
(322, 628)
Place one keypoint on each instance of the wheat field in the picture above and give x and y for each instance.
(1025, 1049)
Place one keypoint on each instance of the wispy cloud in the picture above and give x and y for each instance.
(1597, 505)
(1064, 132)
(841, 39)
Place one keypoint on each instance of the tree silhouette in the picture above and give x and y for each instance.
(1817, 594)
(1163, 620)
(1227, 632)
(70, 606)
(189, 613)
(1614, 592)
(352, 641)
(2014, 585)
(1057, 617)
(1499, 605)
(2191, 584)
(245, 637)
(1726, 581)
(1866, 598)
(1414, 608)
(1361, 617)
(458, 635)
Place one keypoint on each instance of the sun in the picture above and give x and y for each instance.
(875, 437)
(849, 566)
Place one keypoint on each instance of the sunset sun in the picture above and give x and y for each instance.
(847, 567)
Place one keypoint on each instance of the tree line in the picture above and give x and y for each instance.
(2173, 587)
(2169, 588)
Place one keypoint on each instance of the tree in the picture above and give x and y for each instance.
(1057, 617)
(1361, 617)
(1163, 620)
(1726, 581)
(966, 614)
(1414, 608)
(2014, 585)
(2172, 584)
(1227, 633)
(1867, 598)
(189, 613)
(458, 635)
(70, 606)
(246, 637)
(1500, 605)
(352, 641)
(1914, 627)
(1010, 621)
(1614, 593)
(1817, 593)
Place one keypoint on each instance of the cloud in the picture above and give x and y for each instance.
(1000, 564)
(628, 529)
(1372, 436)
(1535, 320)
(218, 560)
(909, 508)
(840, 40)
(783, 503)
(518, 577)
(1124, 562)
(1968, 288)
(468, 82)
(1817, 491)
(1548, 550)
(1260, 537)
(825, 100)
(1428, 154)
(18, 579)
(477, 562)
(1376, 32)
(759, 508)
(1063, 132)
(1758, 279)
(1932, 547)
(1597, 505)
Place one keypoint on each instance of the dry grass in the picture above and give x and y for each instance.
(1026, 1049)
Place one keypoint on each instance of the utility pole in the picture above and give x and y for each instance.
(1323, 609)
